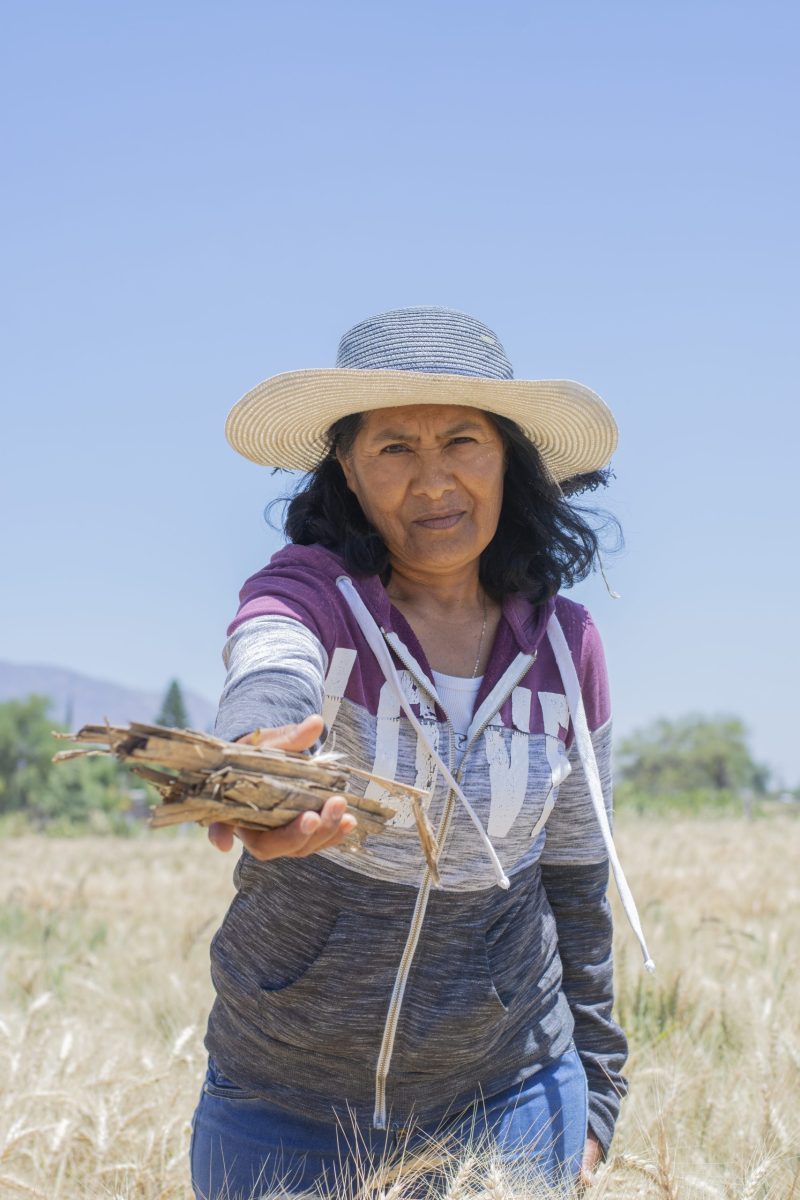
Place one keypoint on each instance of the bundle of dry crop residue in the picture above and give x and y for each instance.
(202, 778)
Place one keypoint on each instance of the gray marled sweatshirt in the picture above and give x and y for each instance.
(345, 980)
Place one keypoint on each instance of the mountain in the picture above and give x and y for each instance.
(80, 700)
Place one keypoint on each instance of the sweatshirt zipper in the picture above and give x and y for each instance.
(409, 950)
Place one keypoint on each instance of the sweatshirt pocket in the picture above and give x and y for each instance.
(514, 941)
(334, 1007)
(267, 944)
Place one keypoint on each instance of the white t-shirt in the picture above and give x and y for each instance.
(457, 695)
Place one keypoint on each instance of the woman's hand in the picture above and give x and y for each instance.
(310, 831)
(592, 1155)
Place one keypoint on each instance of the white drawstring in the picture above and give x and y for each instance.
(614, 595)
(583, 741)
(381, 651)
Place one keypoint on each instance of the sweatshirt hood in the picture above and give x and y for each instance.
(526, 622)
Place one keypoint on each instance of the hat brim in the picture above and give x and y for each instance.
(283, 422)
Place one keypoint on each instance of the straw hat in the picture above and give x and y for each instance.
(422, 355)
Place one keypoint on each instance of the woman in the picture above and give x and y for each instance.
(414, 624)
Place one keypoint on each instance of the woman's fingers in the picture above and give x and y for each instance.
(322, 828)
(308, 833)
(288, 737)
(592, 1156)
(220, 836)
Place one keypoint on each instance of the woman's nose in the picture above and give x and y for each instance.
(432, 476)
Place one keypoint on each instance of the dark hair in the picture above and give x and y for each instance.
(543, 543)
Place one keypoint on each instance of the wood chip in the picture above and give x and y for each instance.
(204, 779)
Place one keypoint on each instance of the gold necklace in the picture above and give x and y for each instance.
(480, 643)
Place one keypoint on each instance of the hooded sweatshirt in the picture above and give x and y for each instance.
(346, 982)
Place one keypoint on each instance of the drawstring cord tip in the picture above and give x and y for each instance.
(650, 966)
(614, 595)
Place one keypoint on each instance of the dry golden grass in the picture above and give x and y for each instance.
(105, 990)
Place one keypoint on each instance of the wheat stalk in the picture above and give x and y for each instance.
(99, 925)
(755, 1177)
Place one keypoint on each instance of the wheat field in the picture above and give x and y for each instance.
(105, 989)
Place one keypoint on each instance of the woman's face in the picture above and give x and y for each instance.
(429, 477)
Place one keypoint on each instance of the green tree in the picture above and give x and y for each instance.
(26, 750)
(699, 759)
(173, 710)
(85, 792)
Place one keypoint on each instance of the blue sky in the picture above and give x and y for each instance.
(198, 196)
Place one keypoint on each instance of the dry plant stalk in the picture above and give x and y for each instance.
(203, 779)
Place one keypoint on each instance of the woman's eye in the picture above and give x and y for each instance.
(402, 448)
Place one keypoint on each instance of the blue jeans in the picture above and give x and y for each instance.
(242, 1146)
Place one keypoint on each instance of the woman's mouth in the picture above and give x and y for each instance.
(445, 521)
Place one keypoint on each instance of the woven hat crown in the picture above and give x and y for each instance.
(427, 338)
